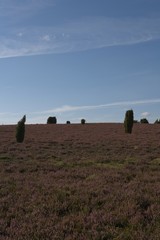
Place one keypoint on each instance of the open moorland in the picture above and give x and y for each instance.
(83, 182)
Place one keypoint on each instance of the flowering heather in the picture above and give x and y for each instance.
(90, 182)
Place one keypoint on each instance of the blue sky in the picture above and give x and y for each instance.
(74, 59)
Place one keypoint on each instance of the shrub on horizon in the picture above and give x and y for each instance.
(68, 122)
(83, 121)
(128, 121)
(20, 130)
(52, 120)
(144, 120)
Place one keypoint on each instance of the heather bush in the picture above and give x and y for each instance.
(83, 121)
(20, 130)
(128, 121)
(52, 120)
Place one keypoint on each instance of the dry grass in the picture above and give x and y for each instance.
(80, 182)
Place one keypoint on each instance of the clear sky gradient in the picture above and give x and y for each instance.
(74, 59)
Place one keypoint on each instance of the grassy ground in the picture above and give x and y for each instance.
(80, 182)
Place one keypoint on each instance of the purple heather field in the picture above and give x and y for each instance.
(82, 182)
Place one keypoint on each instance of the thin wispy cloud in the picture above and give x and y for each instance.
(67, 108)
(79, 35)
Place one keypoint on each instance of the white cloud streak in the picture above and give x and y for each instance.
(85, 34)
(67, 108)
